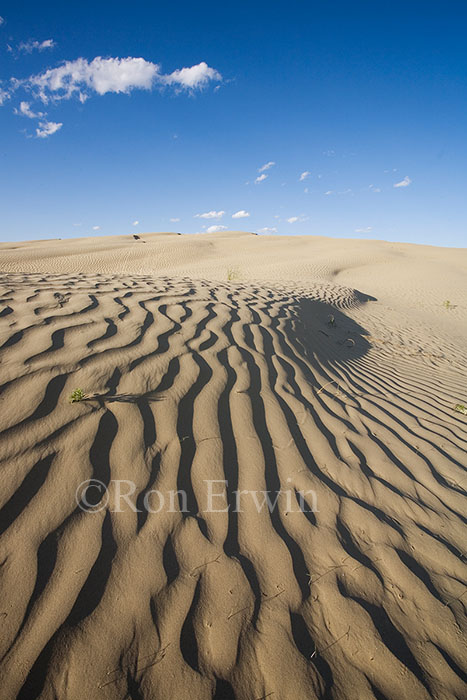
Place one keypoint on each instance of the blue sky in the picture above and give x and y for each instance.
(361, 108)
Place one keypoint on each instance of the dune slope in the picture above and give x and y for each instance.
(333, 397)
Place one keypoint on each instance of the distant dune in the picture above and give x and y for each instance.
(320, 373)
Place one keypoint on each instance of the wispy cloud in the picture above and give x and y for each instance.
(374, 189)
(210, 215)
(174, 219)
(218, 227)
(25, 111)
(304, 175)
(403, 183)
(96, 228)
(295, 219)
(46, 129)
(30, 46)
(4, 96)
(329, 192)
(242, 214)
(267, 229)
(1, 21)
(135, 223)
(266, 166)
(367, 229)
(260, 178)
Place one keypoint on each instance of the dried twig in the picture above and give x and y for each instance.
(232, 614)
(316, 651)
(268, 598)
(212, 561)
(121, 673)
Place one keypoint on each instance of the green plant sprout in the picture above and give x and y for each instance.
(77, 395)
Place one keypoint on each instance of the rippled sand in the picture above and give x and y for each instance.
(282, 364)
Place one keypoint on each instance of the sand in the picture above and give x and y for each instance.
(240, 363)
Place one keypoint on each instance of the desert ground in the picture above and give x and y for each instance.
(322, 371)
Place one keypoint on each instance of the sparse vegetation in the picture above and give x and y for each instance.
(77, 395)
(447, 305)
(460, 408)
(232, 274)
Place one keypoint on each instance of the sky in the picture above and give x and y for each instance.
(345, 119)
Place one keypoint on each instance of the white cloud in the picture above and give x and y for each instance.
(260, 178)
(4, 96)
(210, 215)
(82, 78)
(196, 77)
(367, 229)
(329, 192)
(135, 223)
(174, 220)
(306, 190)
(266, 166)
(374, 189)
(267, 229)
(96, 228)
(213, 229)
(30, 46)
(46, 129)
(293, 219)
(101, 75)
(403, 183)
(26, 111)
(119, 75)
(242, 214)
(1, 21)
(304, 175)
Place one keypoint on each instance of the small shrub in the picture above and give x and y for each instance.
(460, 408)
(232, 274)
(77, 395)
(447, 304)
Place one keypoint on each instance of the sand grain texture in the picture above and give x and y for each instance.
(273, 364)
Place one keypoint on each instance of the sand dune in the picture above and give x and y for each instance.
(240, 364)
